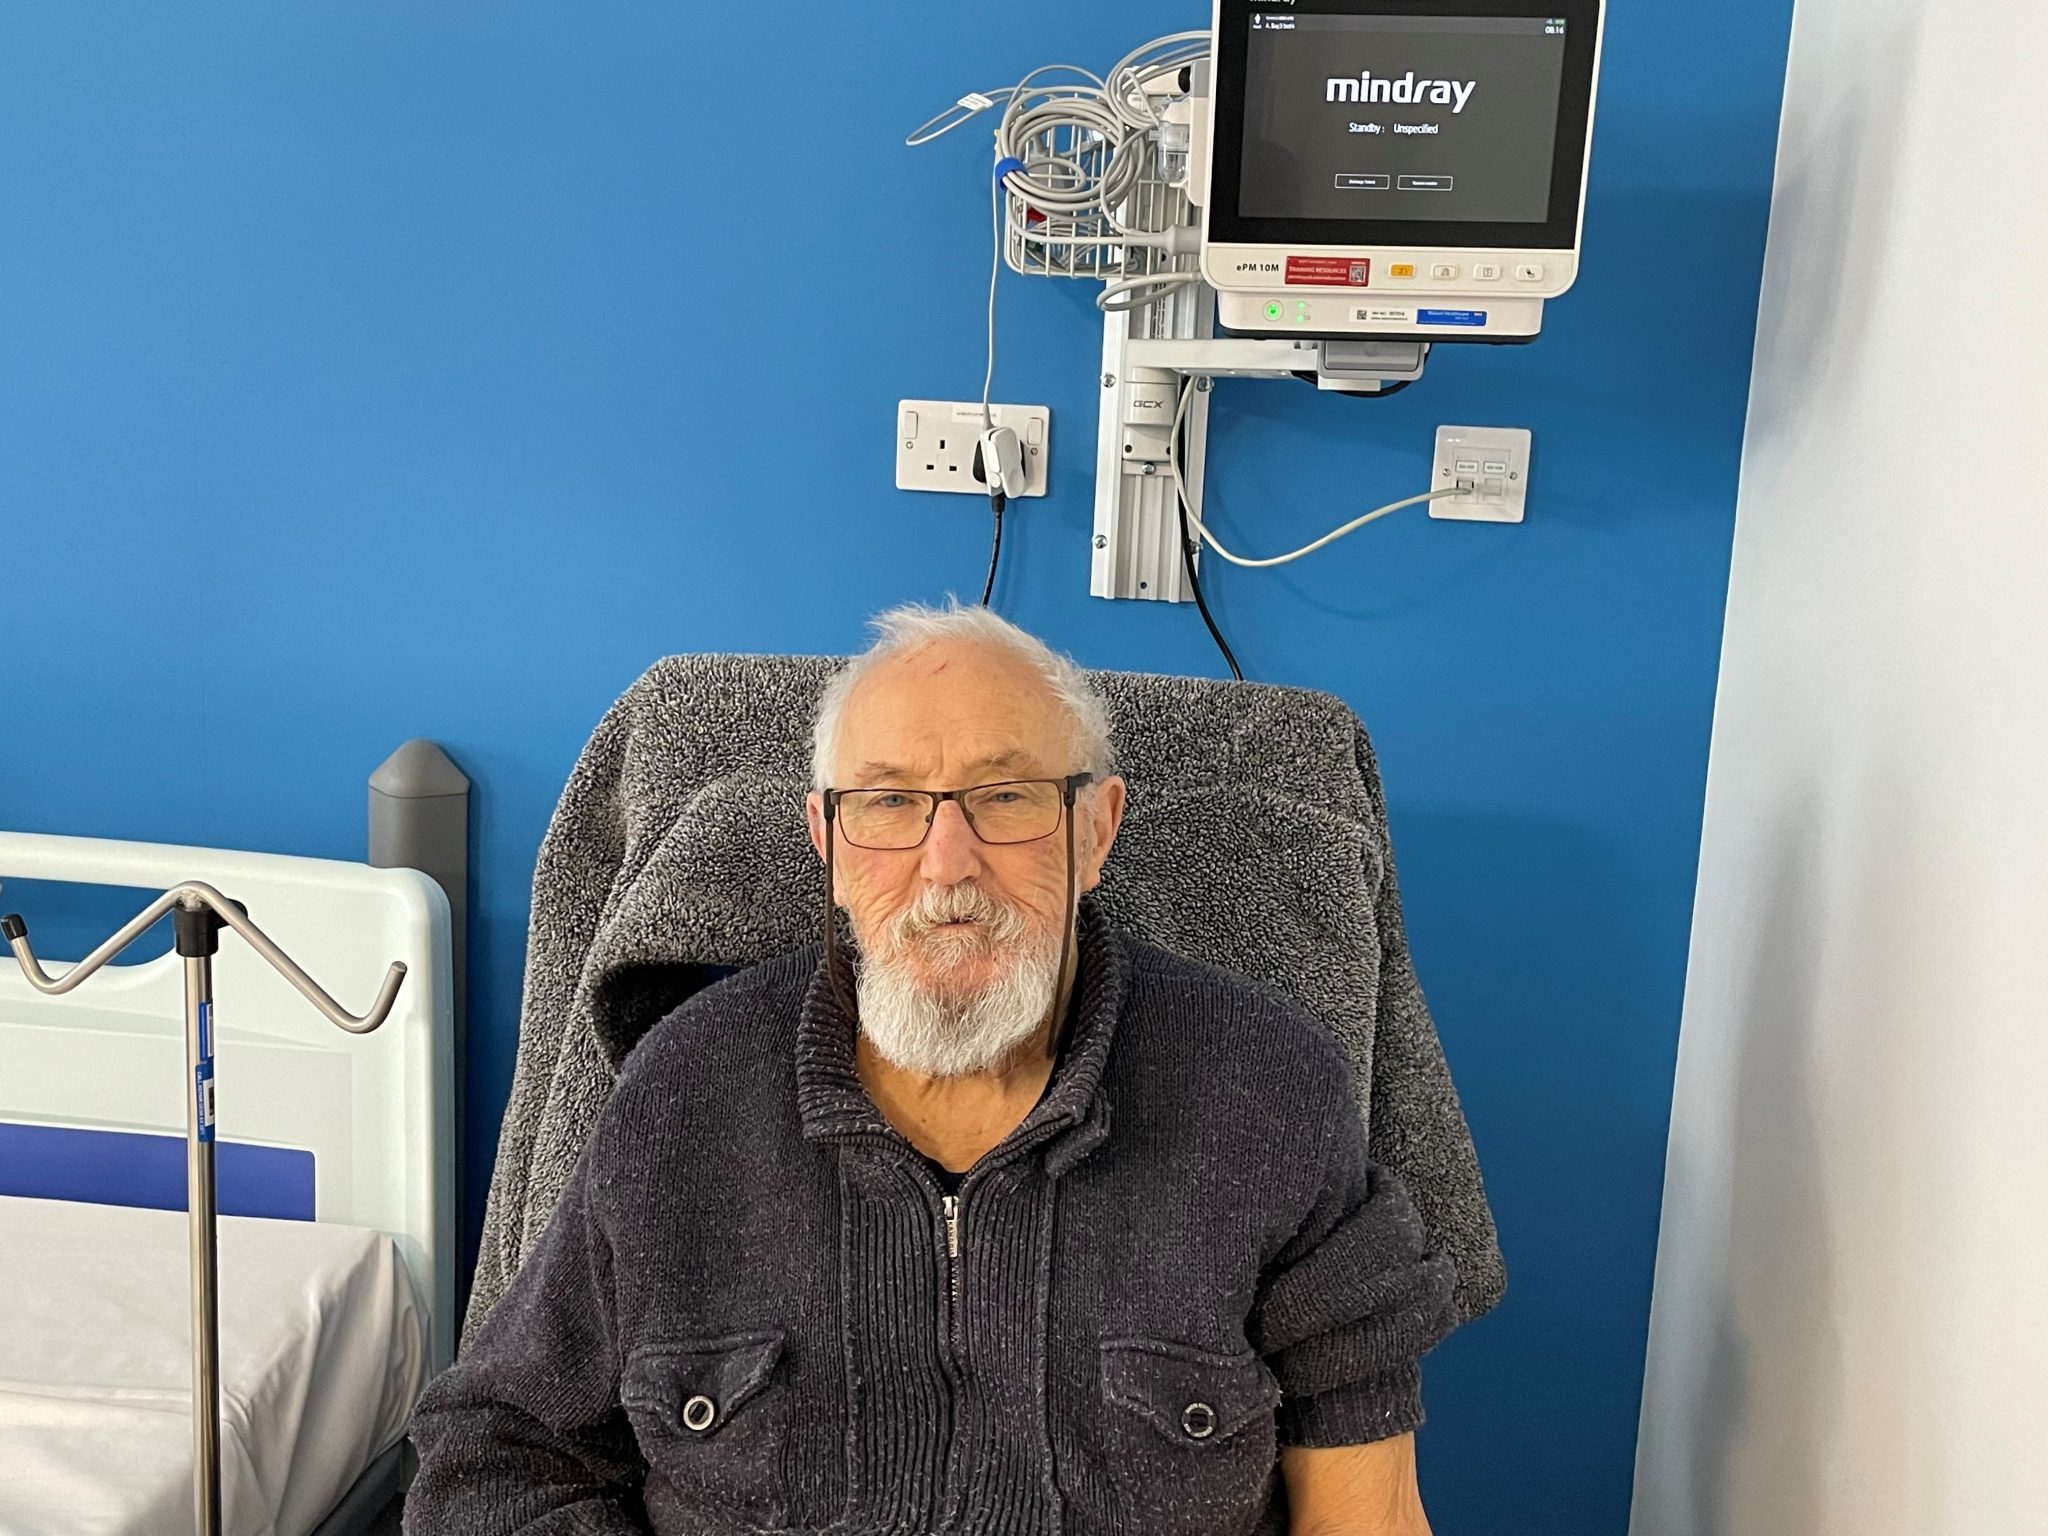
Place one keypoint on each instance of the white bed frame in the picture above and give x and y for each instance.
(376, 1111)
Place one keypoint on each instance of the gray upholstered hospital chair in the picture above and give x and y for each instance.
(1255, 839)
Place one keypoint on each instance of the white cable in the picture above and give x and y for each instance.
(941, 123)
(1082, 144)
(1180, 489)
(1150, 289)
(1038, 107)
(995, 265)
(1129, 76)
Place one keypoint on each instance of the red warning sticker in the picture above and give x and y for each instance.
(1329, 271)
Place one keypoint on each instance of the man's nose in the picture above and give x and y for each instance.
(951, 850)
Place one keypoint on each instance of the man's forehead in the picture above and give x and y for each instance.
(917, 765)
(960, 711)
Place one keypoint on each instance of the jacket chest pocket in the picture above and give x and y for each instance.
(712, 1418)
(1190, 1434)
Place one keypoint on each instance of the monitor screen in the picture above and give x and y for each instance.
(1423, 122)
(1349, 117)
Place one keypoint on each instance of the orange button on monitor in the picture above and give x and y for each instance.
(1401, 269)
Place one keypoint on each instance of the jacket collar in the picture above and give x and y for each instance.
(1073, 1114)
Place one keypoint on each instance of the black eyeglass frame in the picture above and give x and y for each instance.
(1070, 787)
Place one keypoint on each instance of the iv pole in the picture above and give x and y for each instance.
(199, 913)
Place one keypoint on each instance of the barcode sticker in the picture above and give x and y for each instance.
(204, 1090)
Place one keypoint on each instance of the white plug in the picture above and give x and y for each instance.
(1002, 462)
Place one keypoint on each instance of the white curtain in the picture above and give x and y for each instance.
(1850, 1328)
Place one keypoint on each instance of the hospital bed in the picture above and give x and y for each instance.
(336, 1169)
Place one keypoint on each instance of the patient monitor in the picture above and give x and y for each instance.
(1395, 169)
(1323, 190)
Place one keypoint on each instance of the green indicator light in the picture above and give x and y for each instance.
(1272, 311)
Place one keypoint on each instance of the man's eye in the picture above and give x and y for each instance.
(1006, 794)
(889, 802)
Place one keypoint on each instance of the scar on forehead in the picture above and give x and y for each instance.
(934, 656)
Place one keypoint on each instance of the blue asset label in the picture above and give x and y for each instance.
(1450, 317)
(203, 1087)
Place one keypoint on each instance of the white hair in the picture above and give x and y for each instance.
(911, 625)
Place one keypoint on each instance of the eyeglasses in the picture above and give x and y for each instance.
(1016, 811)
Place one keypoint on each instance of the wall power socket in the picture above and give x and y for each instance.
(935, 445)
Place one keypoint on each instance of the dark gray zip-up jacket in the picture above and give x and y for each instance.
(754, 1309)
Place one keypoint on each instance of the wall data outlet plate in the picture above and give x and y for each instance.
(1492, 463)
(935, 444)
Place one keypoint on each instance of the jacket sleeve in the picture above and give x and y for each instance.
(1418, 1124)
(1350, 1304)
(524, 1434)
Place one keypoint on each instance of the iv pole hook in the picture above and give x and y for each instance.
(194, 896)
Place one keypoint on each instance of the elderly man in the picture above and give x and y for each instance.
(992, 1220)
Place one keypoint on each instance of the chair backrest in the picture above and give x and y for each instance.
(1255, 839)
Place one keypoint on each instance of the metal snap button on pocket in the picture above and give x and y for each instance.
(698, 1412)
(1199, 1420)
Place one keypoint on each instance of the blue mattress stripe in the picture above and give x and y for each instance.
(134, 1168)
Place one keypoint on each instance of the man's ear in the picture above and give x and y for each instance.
(814, 817)
(1102, 813)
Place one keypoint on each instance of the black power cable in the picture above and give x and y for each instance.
(1188, 550)
(997, 500)
(1187, 557)
(996, 554)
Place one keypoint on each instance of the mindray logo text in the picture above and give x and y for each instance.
(1405, 91)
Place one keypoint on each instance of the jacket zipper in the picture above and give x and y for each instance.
(952, 1203)
(951, 1206)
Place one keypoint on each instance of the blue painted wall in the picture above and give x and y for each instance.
(379, 370)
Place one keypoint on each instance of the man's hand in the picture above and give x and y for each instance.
(1354, 1490)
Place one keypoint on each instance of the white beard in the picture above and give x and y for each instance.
(948, 1031)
